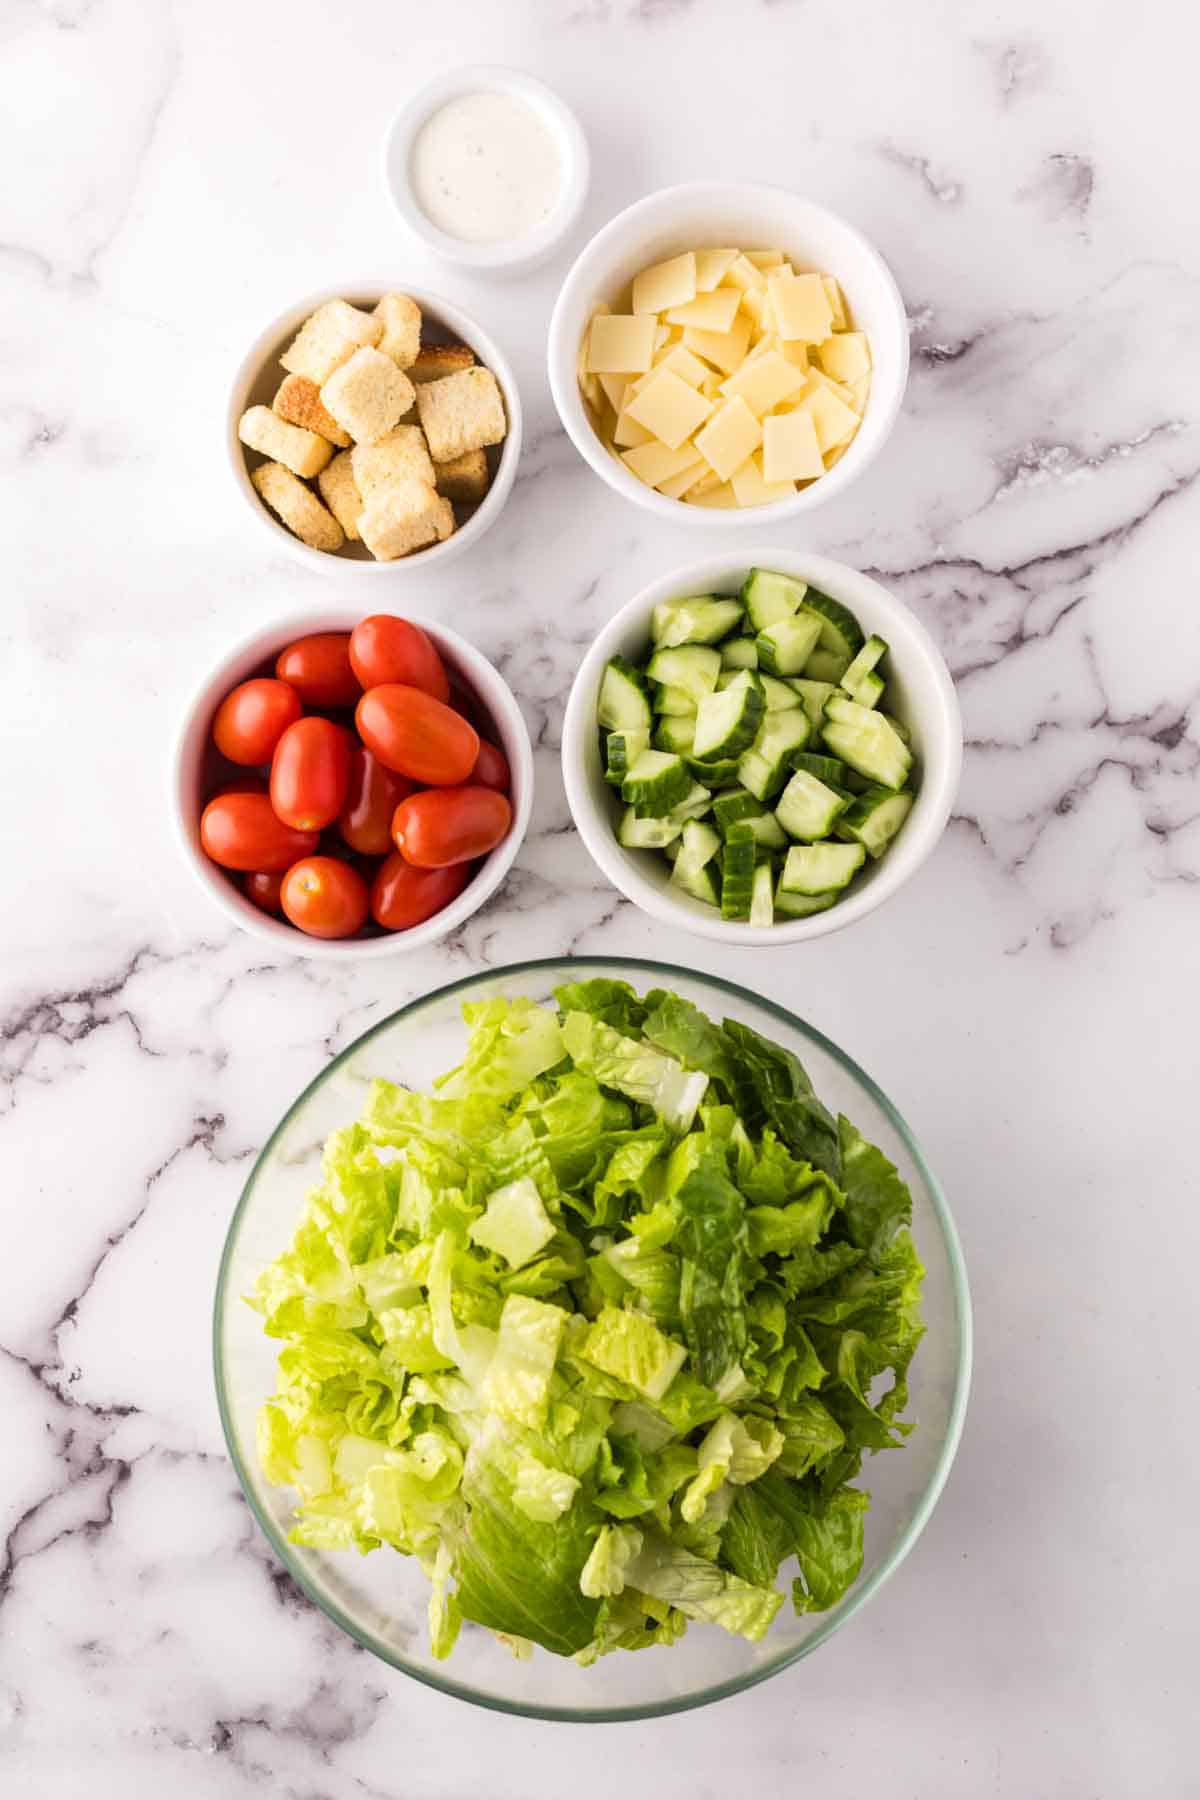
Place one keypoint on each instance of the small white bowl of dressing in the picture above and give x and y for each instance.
(488, 167)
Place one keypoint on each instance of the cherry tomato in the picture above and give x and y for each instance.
(251, 720)
(402, 896)
(450, 825)
(325, 897)
(385, 649)
(263, 889)
(241, 831)
(491, 768)
(318, 667)
(310, 773)
(373, 795)
(414, 734)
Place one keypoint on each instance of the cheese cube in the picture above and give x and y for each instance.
(765, 259)
(835, 456)
(627, 433)
(817, 378)
(723, 348)
(708, 312)
(721, 495)
(800, 307)
(730, 436)
(859, 390)
(742, 273)
(620, 344)
(677, 486)
(711, 268)
(750, 488)
(653, 463)
(754, 305)
(790, 448)
(835, 423)
(795, 352)
(614, 387)
(704, 484)
(665, 284)
(765, 382)
(837, 305)
(845, 356)
(670, 408)
(675, 361)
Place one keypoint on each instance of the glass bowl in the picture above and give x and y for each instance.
(380, 1599)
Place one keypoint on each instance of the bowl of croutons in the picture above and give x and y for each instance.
(376, 425)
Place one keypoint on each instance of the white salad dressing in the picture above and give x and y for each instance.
(485, 168)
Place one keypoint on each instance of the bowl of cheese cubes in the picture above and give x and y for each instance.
(727, 348)
(377, 425)
(762, 747)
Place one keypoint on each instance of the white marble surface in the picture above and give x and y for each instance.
(175, 174)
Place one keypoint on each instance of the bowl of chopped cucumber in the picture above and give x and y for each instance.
(762, 748)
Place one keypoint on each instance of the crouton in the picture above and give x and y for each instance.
(303, 452)
(329, 338)
(404, 517)
(403, 453)
(299, 402)
(461, 412)
(401, 319)
(367, 395)
(339, 490)
(466, 478)
(436, 361)
(297, 506)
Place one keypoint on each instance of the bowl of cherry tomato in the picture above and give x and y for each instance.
(349, 787)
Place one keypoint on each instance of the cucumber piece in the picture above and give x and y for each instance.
(762, 899)
(727, 723)
(674, 703)
(703, 884)
(675, 732)
(826, 768)
(645, 834)
(801, 906)
(737, 874)
(821, 868)
(769, 597)
(698, 844)
(621, 751)
(695, 803)
(841, 633)
(765, 767)
(715, 771)
(807, 808)
(779, 695)
(899, 727)
(826, 665)
(784, 648)
(734, 808)
(866, 740)
(701, 621)
(656, 782)
(624, 702)
(813, 695)
(671, 850)
(739, 653)
(874, 818)
(692, 667)
(861, 681)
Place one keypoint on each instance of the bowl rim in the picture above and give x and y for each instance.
(497, 78)
(497, 699)
(561, 361)
(453, 317)
(859, 1593)
(942, 754)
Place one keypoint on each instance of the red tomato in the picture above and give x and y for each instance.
(251, 720)
(414, 734)
(325, 897)
(402, 896)
(263, 888)
(318, 667)
(385, 649)
(373, 795)
(310, 773)
(241, 831)
(450, 825)
(491, 768)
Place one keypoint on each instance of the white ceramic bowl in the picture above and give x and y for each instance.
(510, 255)
(195, 762)
(259, 377)
(920, 693)
(699, 213)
